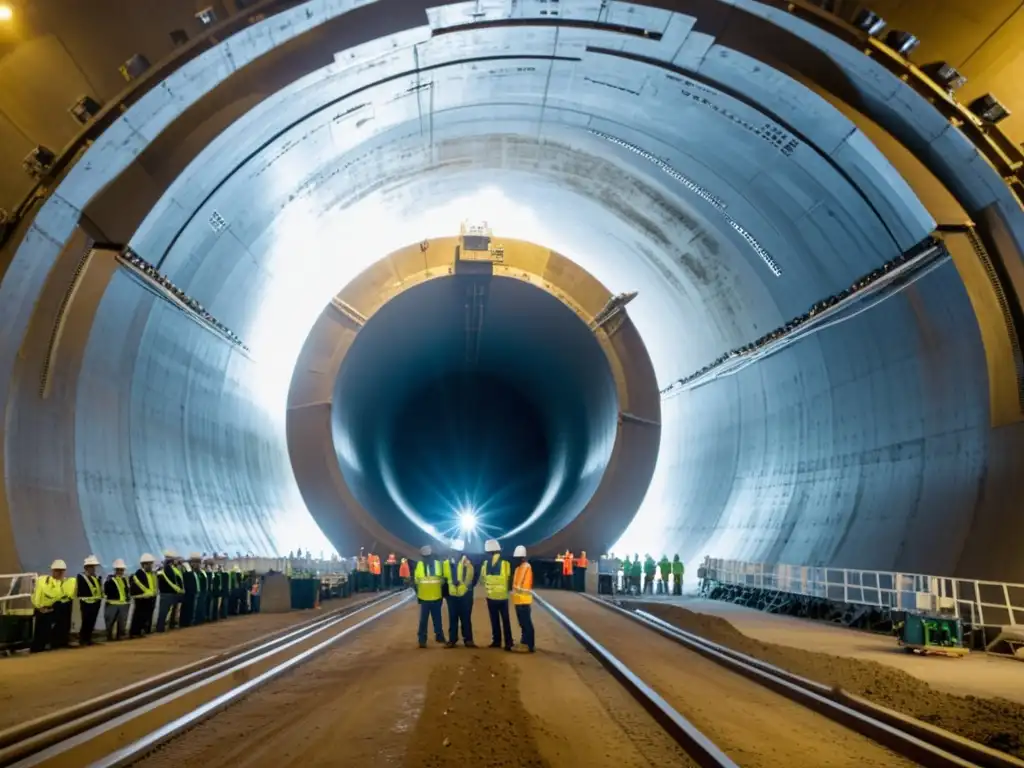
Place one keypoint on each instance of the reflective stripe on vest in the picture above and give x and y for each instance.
(95, 589)
(522, 583)
(149, 588)
(496, 584)
(122, 591)
(162, 573)
(428, 586)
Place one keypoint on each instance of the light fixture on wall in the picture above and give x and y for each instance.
(902, 42)
(945, 75)
(6, 13)
(989, 109)
(869, 21)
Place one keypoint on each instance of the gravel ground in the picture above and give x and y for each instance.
(35, 685)
(997, 723)
(378, 700)
(756, 727)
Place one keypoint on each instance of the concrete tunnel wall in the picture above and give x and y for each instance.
(867, 446)
(339, 403)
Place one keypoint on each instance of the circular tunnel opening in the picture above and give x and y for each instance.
(471, 407)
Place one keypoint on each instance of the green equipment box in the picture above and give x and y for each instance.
(933, 634)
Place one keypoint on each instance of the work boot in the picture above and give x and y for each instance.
(494, 645)
(451, 644)
(470, 644)
(508, 647)
(423, 645)
(440, 639)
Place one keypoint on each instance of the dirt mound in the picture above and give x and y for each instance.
(473, 716)
(997, 723)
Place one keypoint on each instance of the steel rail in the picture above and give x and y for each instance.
(977, 754)
(698, 746)
(925, 745)
(29, 741)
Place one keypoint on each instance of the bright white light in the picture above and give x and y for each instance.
(467, 520)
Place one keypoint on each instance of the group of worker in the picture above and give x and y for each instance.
(573, 569)
(370, 575)
(178, 593)
(647, 577)
(453, 580)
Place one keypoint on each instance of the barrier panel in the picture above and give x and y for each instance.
(977, 602)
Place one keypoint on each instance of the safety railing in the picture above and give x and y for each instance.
(977, 602)
(16, 592)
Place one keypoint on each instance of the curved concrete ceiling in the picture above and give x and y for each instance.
(664, 152)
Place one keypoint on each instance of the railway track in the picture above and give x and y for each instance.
(119, 728)
(912, 740)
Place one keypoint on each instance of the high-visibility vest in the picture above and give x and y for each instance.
(461, 578)
(428, 585)
(581, 561)
(95, 589)
(121, 585)
(173, 583)
(567, 564)
(70, 589)
(375, 565)
(496, 581)
(149, 588)
(48, 591)
(403, 569)
(522, 583)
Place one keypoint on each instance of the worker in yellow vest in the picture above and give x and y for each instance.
(429, 576)
(522, 598)
(458, 575)
(115, 614)
(143, 588)
(48, 592)
(496, 574)
(90, 597)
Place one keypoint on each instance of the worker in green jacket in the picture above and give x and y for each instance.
(664, 568)
(649, 568)
(636, 574)
(677, 576)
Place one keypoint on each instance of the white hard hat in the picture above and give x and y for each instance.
(170, 554)
(492, 545)
(426, 551)
(119, 563)
(58, 565)
(520, 551)
(195, 556)
(146, 558)
(458, 545)
(91, 560)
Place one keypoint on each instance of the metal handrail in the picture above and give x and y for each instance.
(968, 599)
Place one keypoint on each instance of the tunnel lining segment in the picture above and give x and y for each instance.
(323, 360)
(58, 218)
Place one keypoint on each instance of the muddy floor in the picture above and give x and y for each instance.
(754, 726)
(997, 723)
(378, 700)
(37, 684)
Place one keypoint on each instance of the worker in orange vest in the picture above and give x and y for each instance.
(522, 598)
(567, 570)
(375, 571)
(391, 571)
(403, 572)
